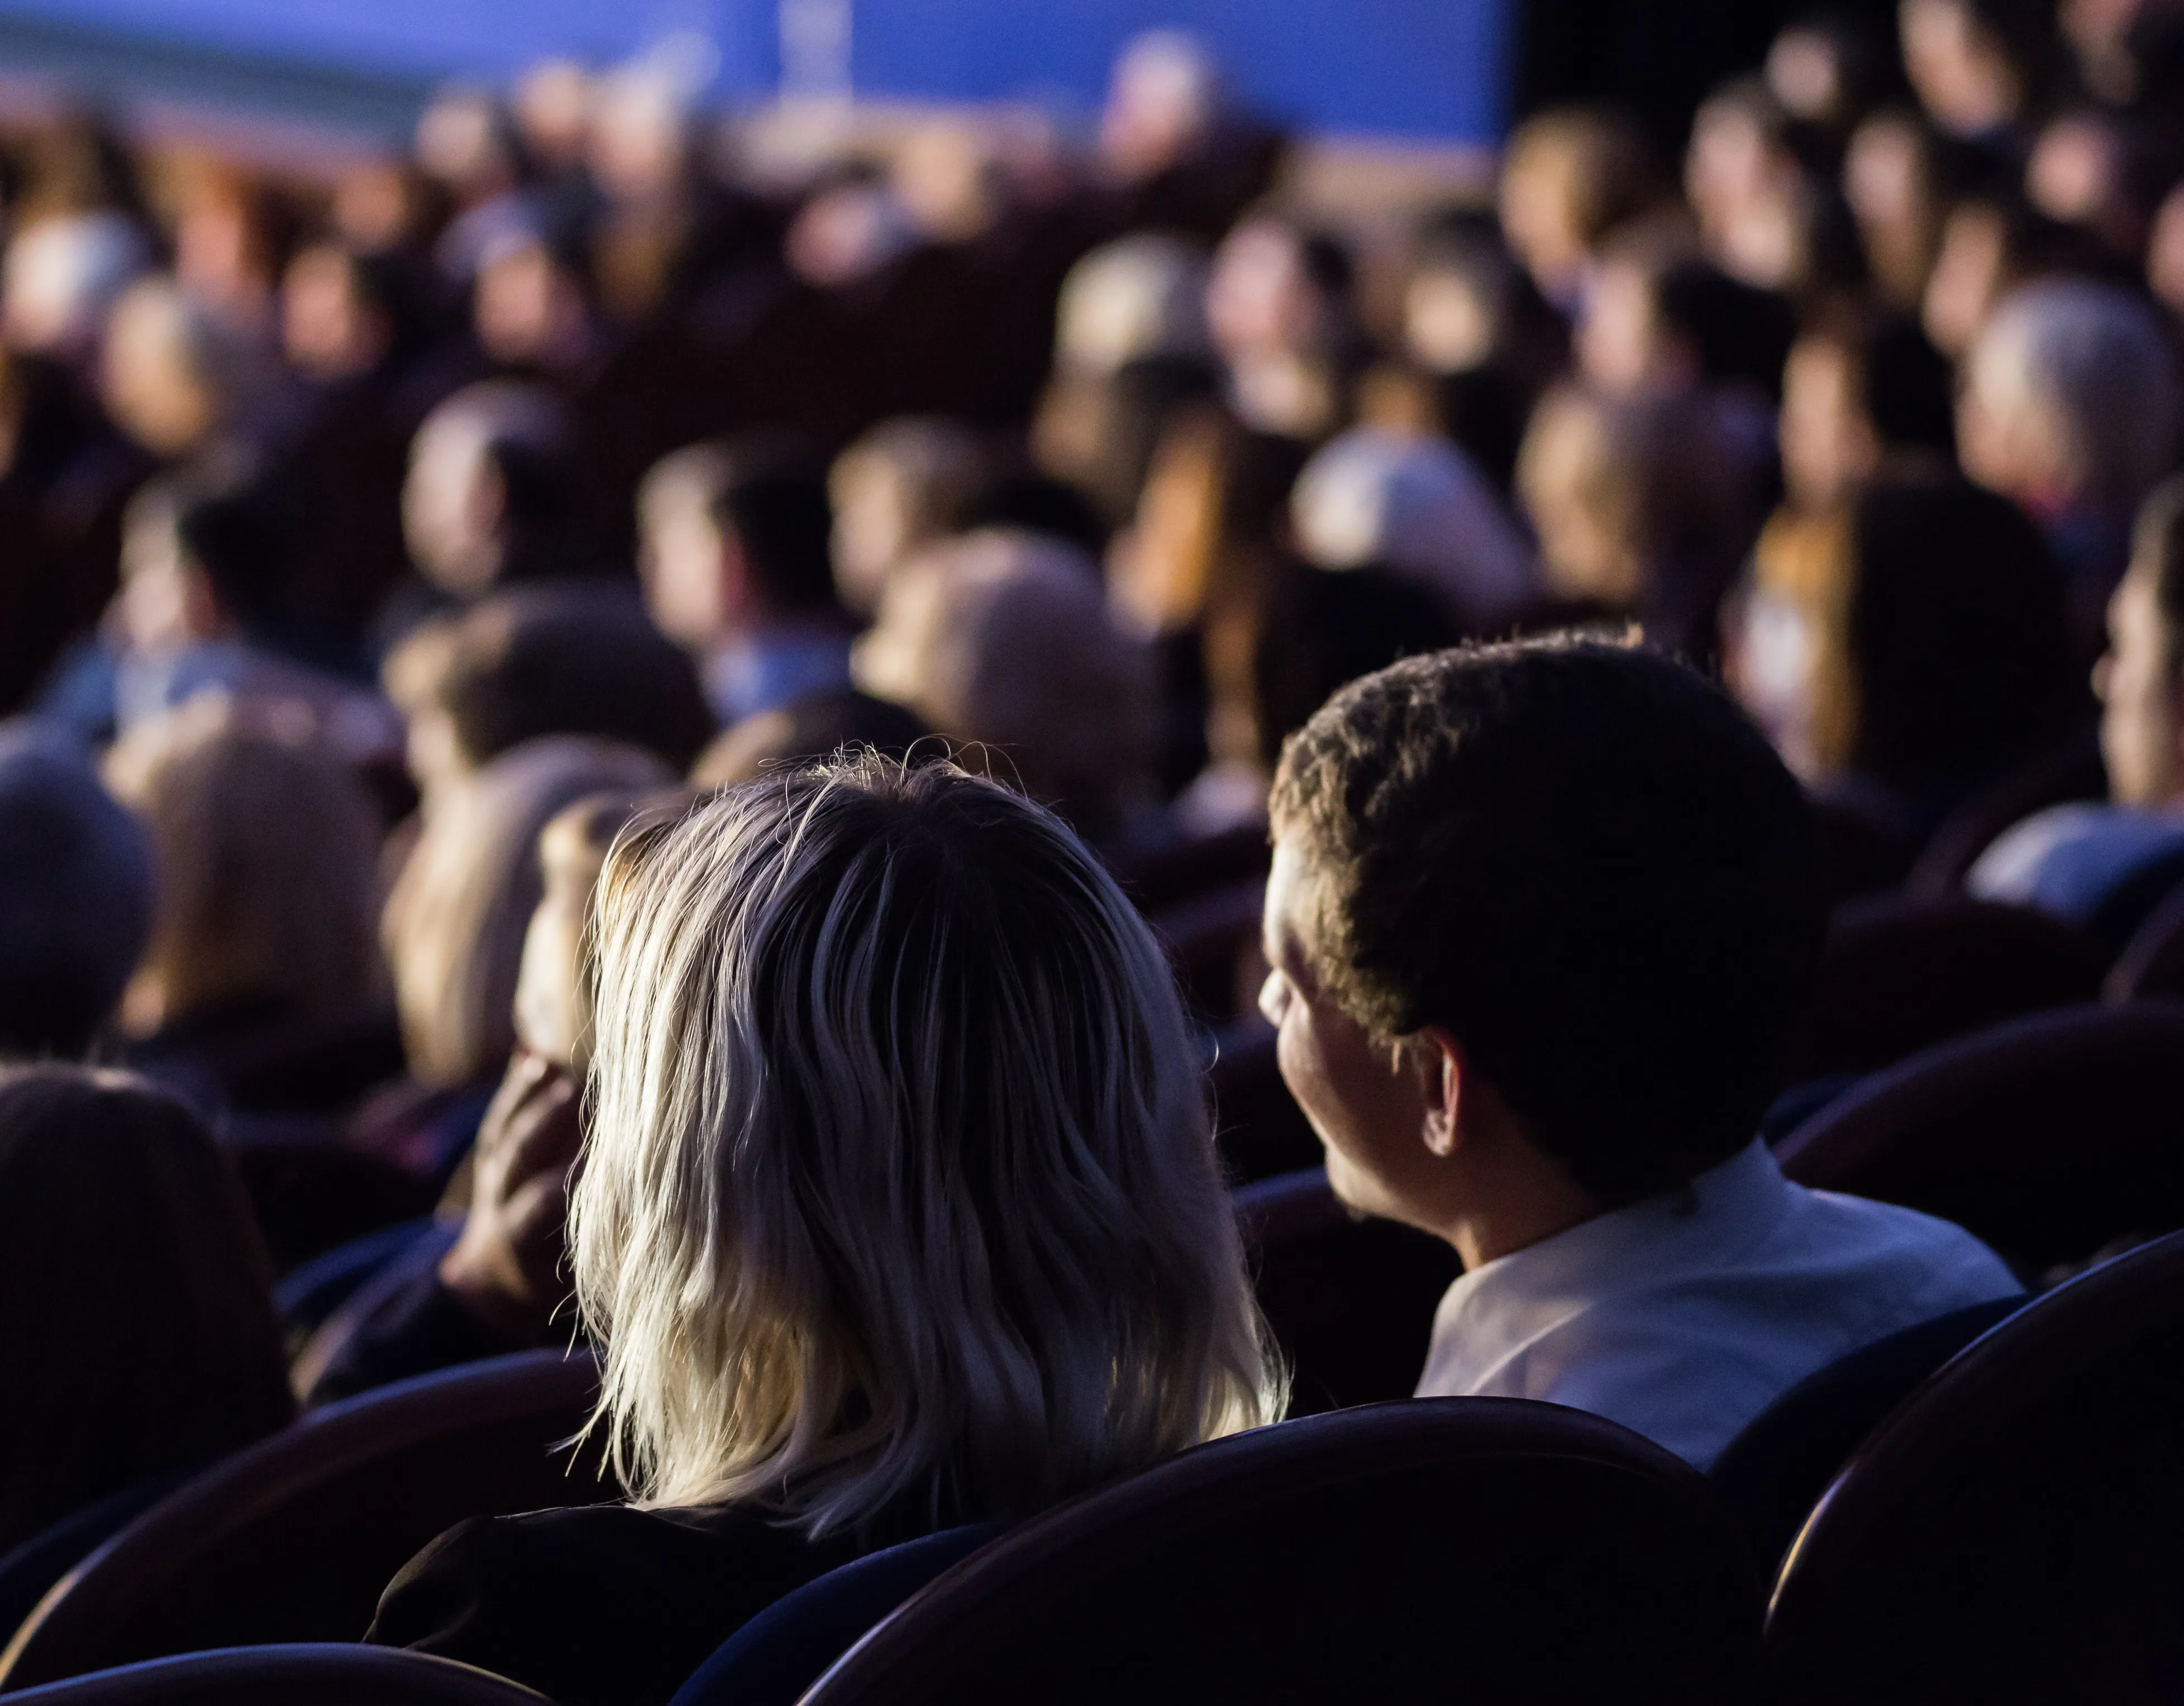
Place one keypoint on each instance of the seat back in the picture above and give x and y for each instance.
(1210, 939)
(1773, 1473)
(1261, 1130)
(1352, 1301)
(2049, 1136)
(773, 1659)
(2151, 966)
(28, 1570)
(2071, 769)
(312, 1192)
(297, 1675)
(2010, 1533)
(1480, 1549)
(1899, 975)
(293, 1538)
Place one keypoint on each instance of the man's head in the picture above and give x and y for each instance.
(734, 538)
(489, 466)
(2141, 679)
(1560, 887)
(76, 896)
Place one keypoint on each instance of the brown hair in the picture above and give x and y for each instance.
(137, 1323)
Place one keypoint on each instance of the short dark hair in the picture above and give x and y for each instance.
(1582, 860)
(771, 497)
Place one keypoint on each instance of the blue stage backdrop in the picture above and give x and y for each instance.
(1423, 69)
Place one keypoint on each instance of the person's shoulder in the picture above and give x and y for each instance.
(1927, 1264)
(2036, 862)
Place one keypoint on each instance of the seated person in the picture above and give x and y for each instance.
(809, 728)
(738, 564)
(2104, 867)
(1910, 652)
(497, 1289)
(76, 896)
(136, 1299)
(576, 657)
(1541, 919)
(265, 845)
(946, 1244)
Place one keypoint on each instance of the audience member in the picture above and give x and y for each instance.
(897, 489)
(498, 1287)
(1003, 641)
(1569, 177)
(1636, 505)
(75, 897)
(1920, 654)
(1094, 1314)
(2103, 867)
(806, 731)
(1279, 310)
(137, 1320)
(453, 931)
(736, 557)
(1542, 918)
(2070, 408)
(573, 658)
(265, 847)
(1416, 508)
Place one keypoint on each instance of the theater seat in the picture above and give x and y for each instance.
(297, 1675)
(1480, 1549)
(2011, 1532)
(1208, 939)
(312, 1192)
(27, 1570)
(2050, 1137)
(2071, 769)
(293, 1538)
(1185, 870)
(1773, 1473)
(2151, 966)
(772, 1660)
(1899, 975)
(1350, 1300)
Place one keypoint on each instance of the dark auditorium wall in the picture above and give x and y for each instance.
(1656, 59)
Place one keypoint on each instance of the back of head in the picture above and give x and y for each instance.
(76, 896)
(2071, 397)
(897, 487)
(137, 1320)
(265, 845)
(1904, 383)
(453, 926)
(515, 439)
(1005, 639)
(899, 1204)
(1417, 506)
(568, 658)
(771, 499)
(1582, 861)
(1326, 628)
(811, 727)
(238, 531)
(1955, 636)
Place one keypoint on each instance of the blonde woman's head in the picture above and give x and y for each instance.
(455, 925)
(899, 1201)
(264, 848)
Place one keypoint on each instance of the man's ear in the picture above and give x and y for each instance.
(1443, 1073)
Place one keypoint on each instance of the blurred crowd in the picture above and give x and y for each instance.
(352, 533)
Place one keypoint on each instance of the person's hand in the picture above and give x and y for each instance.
(506, 1266)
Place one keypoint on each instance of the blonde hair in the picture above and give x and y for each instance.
(899, 1195)
(265, 847)
(455, 925)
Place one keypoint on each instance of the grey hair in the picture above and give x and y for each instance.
(2085, 369)
(899, 1193)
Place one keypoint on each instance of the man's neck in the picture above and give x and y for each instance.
(1516, 1203)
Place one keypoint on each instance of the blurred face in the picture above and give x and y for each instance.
(1258, 301)
(1726, 165)
(529, 308)
(1539, 220)
(2142, 700)
(1367, 1110)
(1884, 182)
(680, 559)
(551, 1019)
(148, 379)
(1828, 444)
(1771, 659)
(326, 331)
(1620, 346)
(451, 507)
(1967, 278)
(1449, 319)
(1585, 548)
(165, 602)
(1962, 76)
(871, 531)
(2165, 253)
